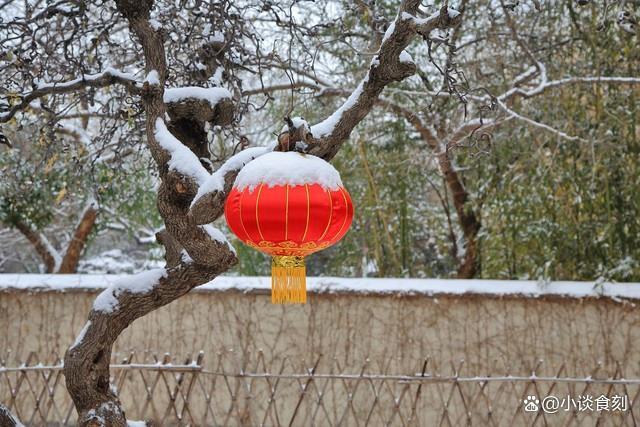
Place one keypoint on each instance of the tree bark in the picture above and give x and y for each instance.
(36, 239)
(7, 419)
(71, 258)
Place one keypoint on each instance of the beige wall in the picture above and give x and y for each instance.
(489, 333)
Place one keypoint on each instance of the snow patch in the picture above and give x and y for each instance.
(81, 335)
(136, 423)
(182, 159)
(298, 122)
(153, 78)
(390, 29)
(328, 125)
(289, 168)
(217, 235)
(215, 182)
(57, 257)
(139, 283)
(406, 57)
(213, 95)
(452, 13)
(88, 77)
(421, 21)
(214, 36)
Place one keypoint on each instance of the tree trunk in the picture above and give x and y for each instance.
(71, 258)
(467, 219)
(7, 419)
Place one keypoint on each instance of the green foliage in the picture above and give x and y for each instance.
(35, 182)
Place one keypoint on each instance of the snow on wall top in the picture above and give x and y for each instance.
(428, 287)
(290, 168)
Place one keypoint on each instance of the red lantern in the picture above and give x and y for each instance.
(288, 205)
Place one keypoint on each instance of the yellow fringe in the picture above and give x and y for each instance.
(288, 280)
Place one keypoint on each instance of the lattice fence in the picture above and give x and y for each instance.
(242, 389)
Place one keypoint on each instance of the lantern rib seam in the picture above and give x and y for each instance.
(330, 215)
(344, 221)
(286, 213)
(257, 218)
(306, 228)
(242, 222)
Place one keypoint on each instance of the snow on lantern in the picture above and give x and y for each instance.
(288, 205)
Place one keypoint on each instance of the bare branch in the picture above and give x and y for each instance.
(106, 78)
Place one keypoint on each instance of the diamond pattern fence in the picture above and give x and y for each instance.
(244, 389)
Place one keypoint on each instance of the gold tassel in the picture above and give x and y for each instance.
(288, 280)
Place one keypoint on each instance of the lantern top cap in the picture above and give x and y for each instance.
(287, 168)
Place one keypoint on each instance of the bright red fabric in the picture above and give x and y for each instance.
(289, 220)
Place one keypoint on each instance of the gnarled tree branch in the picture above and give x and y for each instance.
(187, 202)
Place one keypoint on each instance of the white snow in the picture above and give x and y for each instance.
(57, 257)
(217, 235)
(290, 168)
(155, 24)
(328, 125)
(421, 21)
(298, 122)
(216, 79)
(212, 94)
(182, 159)
(390, 29)
(143, 282)
(89, 77)
(452, 13)
(136, 423)
(81, 335)
(406, 57)
(215, 182)
(390, 286)
(214, 36)
(153, 78)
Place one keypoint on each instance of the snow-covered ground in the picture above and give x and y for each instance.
(527, 288)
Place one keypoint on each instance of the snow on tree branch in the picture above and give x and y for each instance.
(139, 283)
(385, 67)
(181, 159)
(108, 77)
(213, 95)
(208, 204)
